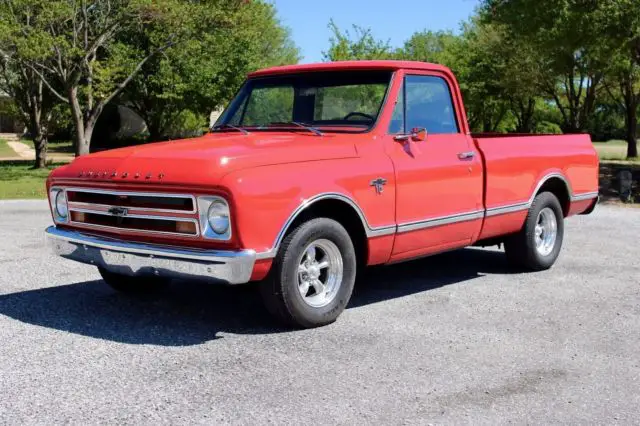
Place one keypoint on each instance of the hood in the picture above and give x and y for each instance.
(204, 160)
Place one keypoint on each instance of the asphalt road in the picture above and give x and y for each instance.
(451, 339)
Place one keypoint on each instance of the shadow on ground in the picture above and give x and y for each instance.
(193, 313)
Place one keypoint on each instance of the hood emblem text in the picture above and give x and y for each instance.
(123, 175)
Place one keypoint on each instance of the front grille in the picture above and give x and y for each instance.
(147, 224)
(132, 212)
(144, 201)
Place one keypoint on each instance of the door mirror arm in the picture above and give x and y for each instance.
(418, 134)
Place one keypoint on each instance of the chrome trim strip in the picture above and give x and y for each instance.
(509, 208)
(525, 205)
(439, 221)
(545, 179)
(204, 203)
(584, 196)
(139, 194)
(269, 254)
(140, 209)
(135, 216)
(53, 193)
(233, 267)
(381, 231)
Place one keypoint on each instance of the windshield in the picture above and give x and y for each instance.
(330, 101)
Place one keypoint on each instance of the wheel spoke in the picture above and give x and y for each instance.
(302, 268)
(311, 254)
(324, 263)
(304, 288)
(318, 286)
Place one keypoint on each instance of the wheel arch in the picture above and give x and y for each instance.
(338, 207)
(557, 184)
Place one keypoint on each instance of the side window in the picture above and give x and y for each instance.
(427, 103)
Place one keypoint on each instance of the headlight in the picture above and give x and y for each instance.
(58, 203)
(215, 218)
(61, 204)
(218, 217)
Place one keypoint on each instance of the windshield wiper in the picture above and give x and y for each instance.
(229, 126)
(298, 124)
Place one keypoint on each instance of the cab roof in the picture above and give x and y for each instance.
(351, 66)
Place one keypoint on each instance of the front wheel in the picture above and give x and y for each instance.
(312, 276)
(537, 246)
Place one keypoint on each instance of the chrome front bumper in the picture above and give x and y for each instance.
(139, 259)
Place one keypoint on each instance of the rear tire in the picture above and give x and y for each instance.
(312, 276)
(133, 285)
(537, 246)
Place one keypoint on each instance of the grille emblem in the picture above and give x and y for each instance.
(118, 211)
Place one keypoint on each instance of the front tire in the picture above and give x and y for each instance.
(313, 275)
(537, 246)
(133, 285)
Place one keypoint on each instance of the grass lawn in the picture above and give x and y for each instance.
(19, 181)
(5, 150)
(613, 150)
(57, 147)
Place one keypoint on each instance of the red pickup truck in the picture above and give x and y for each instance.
(312, 172)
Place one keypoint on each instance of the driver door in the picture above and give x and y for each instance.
(439, 182)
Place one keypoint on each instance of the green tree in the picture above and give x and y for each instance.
(359, 45)
(75, 48)
(20, 82)
(560, 36)
(472, 57)
(204, 73)
(618, 26)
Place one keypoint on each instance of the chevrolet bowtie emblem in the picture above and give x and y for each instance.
(378, 184)
(118, 211)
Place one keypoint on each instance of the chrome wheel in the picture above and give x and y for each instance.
(546, 231)
(320, 272)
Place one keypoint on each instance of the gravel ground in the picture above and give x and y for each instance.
(451, 339)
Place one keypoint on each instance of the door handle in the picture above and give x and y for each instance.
(466, 155)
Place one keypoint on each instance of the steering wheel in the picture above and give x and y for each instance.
(359, 114)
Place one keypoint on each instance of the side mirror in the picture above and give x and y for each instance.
(418, 134)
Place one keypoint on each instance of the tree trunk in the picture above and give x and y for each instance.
(155, 134)
(631, 122)
(80, 140)
(40, 144)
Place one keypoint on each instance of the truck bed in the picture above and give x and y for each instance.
(516, 166)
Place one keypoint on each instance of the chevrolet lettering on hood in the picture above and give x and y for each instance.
(114, 174)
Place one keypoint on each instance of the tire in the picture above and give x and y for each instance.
(133, 285)
(532, 249)
(293, 271)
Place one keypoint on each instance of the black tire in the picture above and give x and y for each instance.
(280, 290)
(134, 285)
(521, 248)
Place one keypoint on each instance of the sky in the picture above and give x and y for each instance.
(393, 20)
